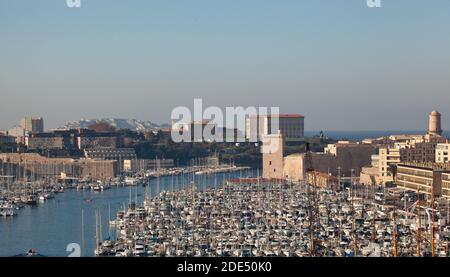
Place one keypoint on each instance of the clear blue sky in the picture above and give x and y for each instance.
(343, 65)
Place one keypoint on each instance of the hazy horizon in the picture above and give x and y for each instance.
(341, 64)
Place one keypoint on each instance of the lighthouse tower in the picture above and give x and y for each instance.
(434, 125)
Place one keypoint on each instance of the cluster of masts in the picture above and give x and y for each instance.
(280, 218)
(15, 196)
(21, 187)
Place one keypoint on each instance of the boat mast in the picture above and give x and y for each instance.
(419, 223)
(96, 233)
(82, 232)
(432, 223)
(395, 234)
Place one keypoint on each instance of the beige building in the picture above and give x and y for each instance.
(273, 159)
(18, 133)
(442, 153)
(397, 149)
(380, 171)
(407, 139)
(425, 177)
(35, 167)
(370, 175)
(342, 158)
(424, 152)
(445, 184)
(322, 179)
(294, 167)
(96, 169)
(136, 165)
(115, 154)
(387, 157)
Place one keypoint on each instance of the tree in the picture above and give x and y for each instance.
(393, 170)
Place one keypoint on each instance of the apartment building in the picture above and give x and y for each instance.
(427, 178)
(442, 153)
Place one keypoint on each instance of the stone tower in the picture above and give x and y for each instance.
(434, 125)
(272, 150)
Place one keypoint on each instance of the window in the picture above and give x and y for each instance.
(270, 162)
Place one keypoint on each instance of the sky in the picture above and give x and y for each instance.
(341, 64)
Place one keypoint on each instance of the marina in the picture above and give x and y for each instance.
(48, 227)
(15, 193)
(220, 211)
(258, 217)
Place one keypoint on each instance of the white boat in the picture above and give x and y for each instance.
(97, 188)
(130, 181)
(139, 250)
(7, 209)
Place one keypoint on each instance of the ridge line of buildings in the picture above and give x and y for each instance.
(411, 162)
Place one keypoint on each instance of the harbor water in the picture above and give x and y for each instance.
(48, 228)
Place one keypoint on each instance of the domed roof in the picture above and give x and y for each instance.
(435, 113)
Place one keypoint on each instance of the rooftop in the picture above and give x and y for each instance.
(427, 166)
(293, 115)
(288, 115)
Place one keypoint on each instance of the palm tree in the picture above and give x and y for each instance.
(392, 169)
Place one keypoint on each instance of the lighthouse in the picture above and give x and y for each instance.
(434, 125)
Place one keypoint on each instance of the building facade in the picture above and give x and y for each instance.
(70, 139)
(147, 164)
(31, 166)
(89, 142)
(428, 178)
(116, 154)
(7, 139)
(294, 167)
(291, 126)
(32, 124)
(387, 158)
(18, 133)
(342, 159)
(347, 158)
(273, 159)
(442, 153)
(424, 152)
(322, 179)
(48, 141)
